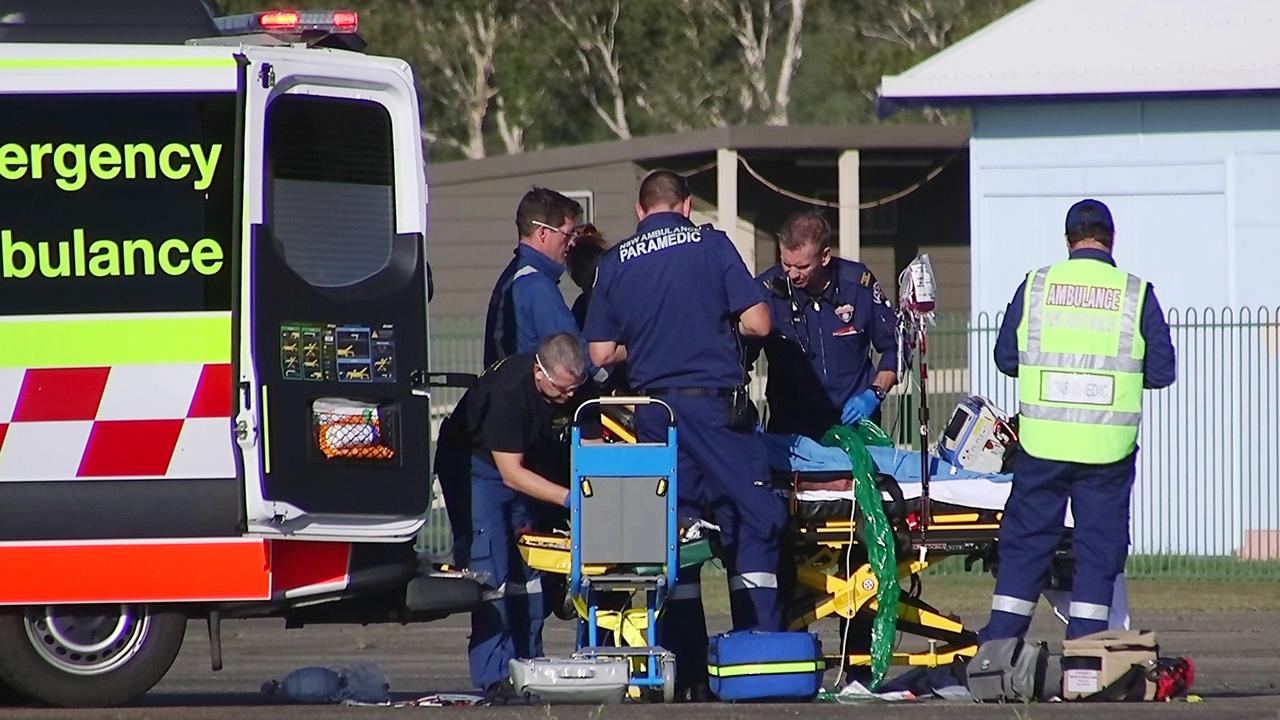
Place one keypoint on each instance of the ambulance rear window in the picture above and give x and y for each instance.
(330, 187)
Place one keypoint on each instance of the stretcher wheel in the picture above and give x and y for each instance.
(667, 693)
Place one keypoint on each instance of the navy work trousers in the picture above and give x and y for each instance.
(1032, 528)
(723, 475)
(508, 622)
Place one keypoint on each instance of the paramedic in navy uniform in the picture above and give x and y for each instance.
(526, 305)
(667, 301)
(827, 315)
(1082, 352)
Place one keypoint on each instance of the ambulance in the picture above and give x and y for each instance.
(213, 337)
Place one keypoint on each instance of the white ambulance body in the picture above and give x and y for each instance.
(213, 346)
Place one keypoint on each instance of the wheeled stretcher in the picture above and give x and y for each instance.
(963, 519)
(622, 553)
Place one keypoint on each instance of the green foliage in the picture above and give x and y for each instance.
(498, 76)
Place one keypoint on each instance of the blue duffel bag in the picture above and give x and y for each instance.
(747, 666)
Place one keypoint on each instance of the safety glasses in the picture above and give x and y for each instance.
(570, 234)
(567, 390)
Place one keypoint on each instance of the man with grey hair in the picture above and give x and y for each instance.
(505, 423)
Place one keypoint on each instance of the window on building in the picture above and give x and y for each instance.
(585, 198)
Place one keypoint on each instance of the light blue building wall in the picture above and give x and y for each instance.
(1194, 187)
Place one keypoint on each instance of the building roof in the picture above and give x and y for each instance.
(660, 147)
(1104, 48)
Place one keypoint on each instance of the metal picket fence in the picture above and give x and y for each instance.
(1207, 498)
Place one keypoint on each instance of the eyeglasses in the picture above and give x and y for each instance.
(570, 234)
(566, 390)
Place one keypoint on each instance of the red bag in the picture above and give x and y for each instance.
(1173, 677)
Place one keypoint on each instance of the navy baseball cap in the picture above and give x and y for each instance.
(1089, 212)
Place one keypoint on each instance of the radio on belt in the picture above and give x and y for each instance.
(977, 437)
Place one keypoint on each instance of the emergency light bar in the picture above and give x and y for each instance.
(290, 22)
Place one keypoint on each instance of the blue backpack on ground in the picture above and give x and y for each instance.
(745, 666)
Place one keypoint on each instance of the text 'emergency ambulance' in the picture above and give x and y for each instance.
(105, 257)
(71, 165)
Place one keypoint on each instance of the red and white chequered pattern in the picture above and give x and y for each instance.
(130, 421)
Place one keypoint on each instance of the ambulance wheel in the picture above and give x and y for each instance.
(88, 655)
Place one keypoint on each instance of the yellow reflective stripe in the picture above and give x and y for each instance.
(764, 669)
(139, 339)
(266, 433)
(114, 63)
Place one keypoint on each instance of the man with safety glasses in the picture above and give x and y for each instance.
(505, 421)
(526, 305)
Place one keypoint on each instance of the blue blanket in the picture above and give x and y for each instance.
(798, 453)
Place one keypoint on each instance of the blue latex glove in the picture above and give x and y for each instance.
(568, 500)
(859, 407)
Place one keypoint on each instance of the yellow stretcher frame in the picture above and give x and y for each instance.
(549, 553)
(818, 570)
(840, 596)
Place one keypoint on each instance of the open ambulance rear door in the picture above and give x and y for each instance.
(331, 308)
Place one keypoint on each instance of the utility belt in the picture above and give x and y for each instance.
(742, 415)
(692, 391)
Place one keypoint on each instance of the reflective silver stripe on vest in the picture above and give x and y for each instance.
(686, 591)
(1010, 604)
(1034, 303)
(1081, 416)
(1124, 362)
(1129, 318)
(1089, 611)
(1069, 361)
(752, 580)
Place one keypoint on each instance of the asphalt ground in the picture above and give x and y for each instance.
(1236, 649)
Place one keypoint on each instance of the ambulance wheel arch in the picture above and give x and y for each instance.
(88, 655)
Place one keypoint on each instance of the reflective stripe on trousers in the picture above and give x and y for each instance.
(532, 587)
(1089, 611)
(1010, 604)
(752, 580)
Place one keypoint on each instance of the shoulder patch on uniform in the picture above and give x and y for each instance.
(877, 294)
(496, 364)
(866, 278)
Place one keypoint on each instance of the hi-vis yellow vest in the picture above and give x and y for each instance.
(1080, 351)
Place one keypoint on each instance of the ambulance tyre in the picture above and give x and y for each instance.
(90, 655)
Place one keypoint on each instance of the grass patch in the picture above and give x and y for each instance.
(1203, 568)
(971, 593)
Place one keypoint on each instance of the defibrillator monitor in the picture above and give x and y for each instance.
(977, 436)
